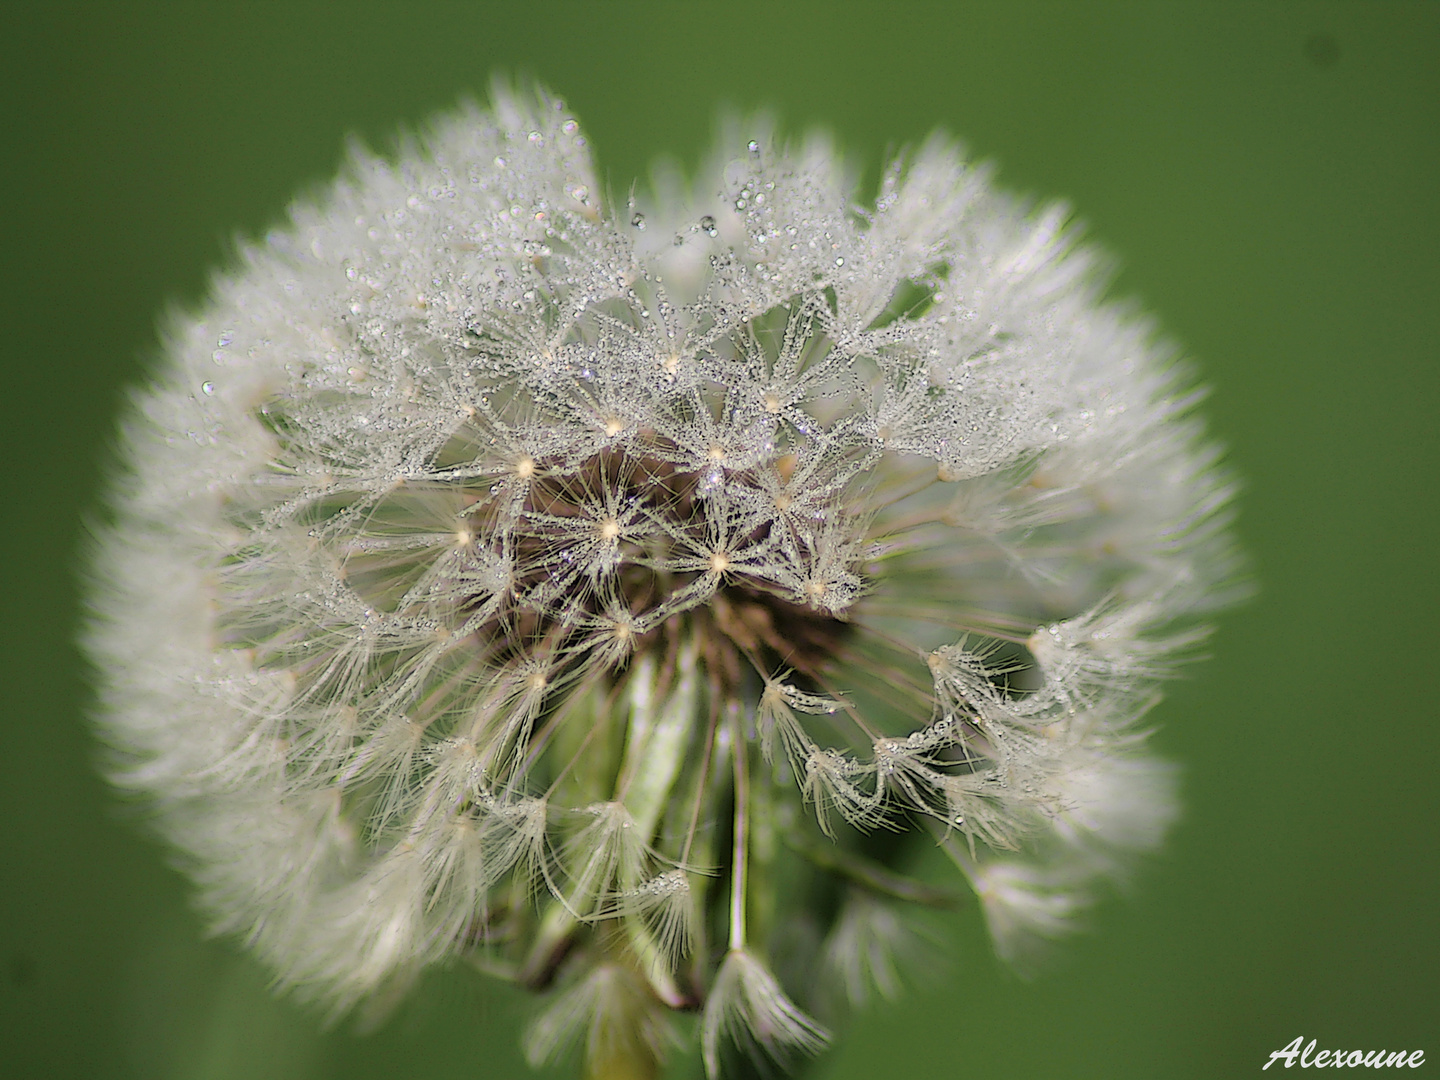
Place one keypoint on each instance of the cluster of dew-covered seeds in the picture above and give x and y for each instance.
(530, 555)
(498, 565)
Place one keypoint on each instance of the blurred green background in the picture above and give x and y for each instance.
(1269, 176)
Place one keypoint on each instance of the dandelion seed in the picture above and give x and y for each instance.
(867, 948)
(612, 1011)
(464, 609)
(668, 905)
(747, 1006)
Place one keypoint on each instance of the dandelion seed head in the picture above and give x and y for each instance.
(482, 539)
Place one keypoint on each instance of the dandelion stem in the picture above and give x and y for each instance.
(622, 1063)
(700, 781)
(742, 801)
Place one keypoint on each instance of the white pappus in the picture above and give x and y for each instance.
(499, 571)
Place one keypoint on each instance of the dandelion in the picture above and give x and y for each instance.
(498, 572)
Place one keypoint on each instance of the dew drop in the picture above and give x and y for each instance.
(753, 147)
(207, 388)
(226, 336)
(569, 127)
(707, 223)
(638, 221)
